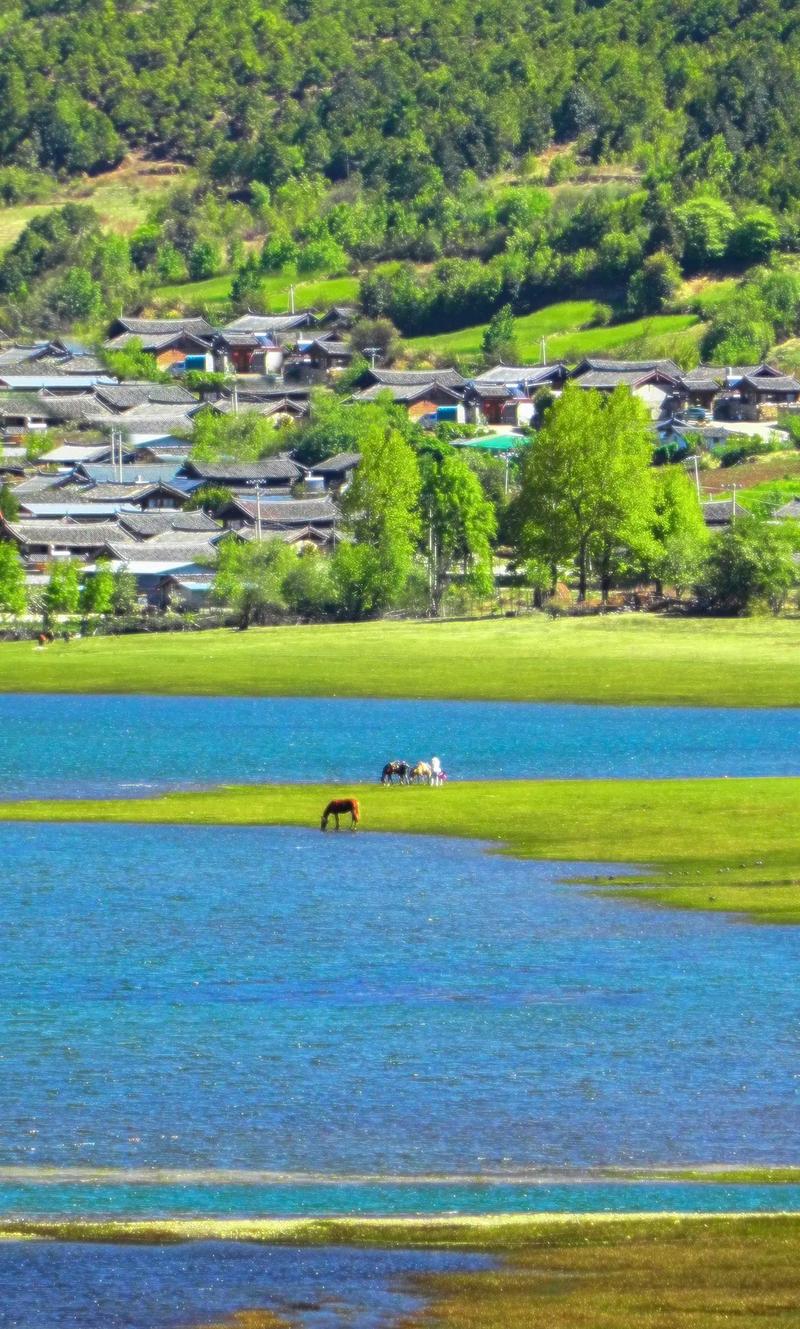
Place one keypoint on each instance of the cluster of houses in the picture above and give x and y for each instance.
(506, 394)
(132, 506)
(119, 484)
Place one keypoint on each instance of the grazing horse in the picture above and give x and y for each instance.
(401, 769)
(421, 774)
(340, 807)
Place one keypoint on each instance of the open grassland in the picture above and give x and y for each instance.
(314, 292)
(566, 327)
(559, 1272)
(622, 659)
(711, 845)
(122, 197)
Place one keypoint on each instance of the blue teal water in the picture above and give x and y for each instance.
(76, 746)
(217, 997)
(68, 1286)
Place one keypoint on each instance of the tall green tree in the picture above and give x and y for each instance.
(97, 592)
(13, 594)
(250, 576)
(500, 338)
(751, 565)
(381, 518)
(585, 491)
(680, 536)
(9, 503)
(63, 592)
(458, 520)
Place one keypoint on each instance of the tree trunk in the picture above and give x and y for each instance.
(582, 560)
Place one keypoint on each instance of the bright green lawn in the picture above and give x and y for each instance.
(713, 845)
(618, 658)
(565, 327)
(316, 292)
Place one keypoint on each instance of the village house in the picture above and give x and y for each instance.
(247, 353)
(656, 383)
(277, 472)
(281, 329)
(335, 472)
(169, 340)
(719, 514)
(317, 515)
(422, 391)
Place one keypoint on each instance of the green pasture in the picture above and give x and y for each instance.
(713, 845)
(559, 1271)
(315, 292)
(620, 659)
(566, 326)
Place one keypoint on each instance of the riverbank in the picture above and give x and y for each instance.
(711, 845)
(621, 659)
(556, 1272)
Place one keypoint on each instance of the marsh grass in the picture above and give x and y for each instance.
(712, 845)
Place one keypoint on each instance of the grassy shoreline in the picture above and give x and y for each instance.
(719, 846)
(557, 1271)
(620, 660)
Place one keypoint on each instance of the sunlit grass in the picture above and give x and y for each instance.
(622, 659)
(315, 292)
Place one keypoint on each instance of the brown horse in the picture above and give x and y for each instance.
(340, 807)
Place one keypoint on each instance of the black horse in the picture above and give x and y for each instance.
(399, 769)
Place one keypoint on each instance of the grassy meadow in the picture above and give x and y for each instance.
(620, 659)
(570, 336)
(710, 845)
(214, 293)
(552, 1272)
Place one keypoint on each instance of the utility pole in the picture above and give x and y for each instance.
(258, 513)
(696, 475)
(544, 350)
(733, 507)
(235, 397)
(291, 299)
(372, 352)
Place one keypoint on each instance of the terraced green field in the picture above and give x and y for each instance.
(565, 325)
(316, 292)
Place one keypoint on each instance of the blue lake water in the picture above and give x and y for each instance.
(72, 746)
(68, 1286)
(257, 998)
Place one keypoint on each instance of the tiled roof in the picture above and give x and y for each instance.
(63, 534)
(146, 525)
(772, 383)
(272, 468)
(448, 378)
(342, 461)
(124, 396)
(267, 323)
(199, 327)
(293, 512)
(720, 512)
(630, 366)
(131, 473)
(406, 391)
(597, 378)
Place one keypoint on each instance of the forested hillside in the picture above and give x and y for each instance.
(330, 138)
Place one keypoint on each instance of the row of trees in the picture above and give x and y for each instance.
(590, 500)
(68, 590)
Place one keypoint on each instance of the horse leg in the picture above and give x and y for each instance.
(336, 819)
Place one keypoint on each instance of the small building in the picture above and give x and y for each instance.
(151, 524)
(421, 391)
(280, 328)
(247, 353)
(277, 472)
(789, 511)
(285, 515)
(338, 318)
(41, 540)
(335, 472)
(329, 356)
(719, 514)
(655, 387)
(169, 340)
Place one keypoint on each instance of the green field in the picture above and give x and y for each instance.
(121, 197)
(713, 845)
(315, 292)
(551, 1272)
(566, 327)
(621, 659)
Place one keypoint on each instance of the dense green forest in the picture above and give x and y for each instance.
(439, 150)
